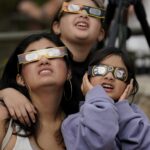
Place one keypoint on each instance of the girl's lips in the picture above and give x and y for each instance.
(108, 87)
(83, 25)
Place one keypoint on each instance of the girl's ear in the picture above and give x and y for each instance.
(56, 28)
(101, 35)
(20, 80)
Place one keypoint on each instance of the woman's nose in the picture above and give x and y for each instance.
(43, 60)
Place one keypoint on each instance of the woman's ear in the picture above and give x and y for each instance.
(69, 75)
(56, 28)
(101, 35)
(20, 80)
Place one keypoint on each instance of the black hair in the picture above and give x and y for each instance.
(11, 70)
(101, 54)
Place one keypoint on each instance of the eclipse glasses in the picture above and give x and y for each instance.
(102, 70)
(77, 9)
(56, 52)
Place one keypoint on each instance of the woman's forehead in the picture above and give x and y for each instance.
(40, 44)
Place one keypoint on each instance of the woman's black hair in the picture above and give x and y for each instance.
(101, 54)
(11, 70)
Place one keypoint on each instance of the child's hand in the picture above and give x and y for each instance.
(127, 91)
(18, 106)
(86, 85)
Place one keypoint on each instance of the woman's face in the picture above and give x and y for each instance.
(114, 87)
(79, 27)
(44, 72)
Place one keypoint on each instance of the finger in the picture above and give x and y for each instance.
(31, 106)
(127, 91)
(31, 112)
(12, 113)
(25, 116)
(131, 86)
(83, 81)
(83, 86)
(87, 81)
(20, 117)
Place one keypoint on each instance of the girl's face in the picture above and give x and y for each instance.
(43, 72)
(79, 27)
(114, 87)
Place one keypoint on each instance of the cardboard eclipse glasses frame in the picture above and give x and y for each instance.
(56, 52)
(91, 11)
(102, 70)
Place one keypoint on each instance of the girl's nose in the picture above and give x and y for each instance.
(84, 13)
(109, 76)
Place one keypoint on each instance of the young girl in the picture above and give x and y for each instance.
(40, 71)
(109, 82)
(79, 25)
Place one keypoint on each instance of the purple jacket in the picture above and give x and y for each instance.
(102, 124)
(134, 127)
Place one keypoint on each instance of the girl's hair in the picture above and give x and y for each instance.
(100, 55)
(98, 3)
(11, 70)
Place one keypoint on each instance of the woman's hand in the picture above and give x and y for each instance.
(18, 105)
(127, 91)
(4, 114)
(86, 85)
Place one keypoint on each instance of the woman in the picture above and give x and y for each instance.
(40, 74)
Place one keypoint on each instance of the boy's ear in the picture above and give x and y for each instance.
(56, 28)
(101, 35)
(20, 80)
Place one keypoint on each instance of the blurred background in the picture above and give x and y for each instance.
(20, 18)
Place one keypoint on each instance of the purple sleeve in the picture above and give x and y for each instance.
(134, 127)
(95, 126)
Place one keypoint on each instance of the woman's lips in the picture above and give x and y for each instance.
(45, 71)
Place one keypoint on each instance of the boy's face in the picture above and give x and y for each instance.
(80, 27)
(113, 86)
